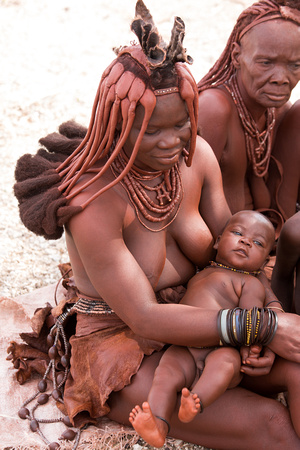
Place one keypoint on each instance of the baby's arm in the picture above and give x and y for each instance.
(253, 293)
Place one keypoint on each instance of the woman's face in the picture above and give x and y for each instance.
(268, 62)
(166, 136)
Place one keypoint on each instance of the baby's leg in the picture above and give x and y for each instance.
(221, 371)
(175, 370)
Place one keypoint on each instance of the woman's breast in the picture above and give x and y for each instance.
(160, 257)
(193, 239)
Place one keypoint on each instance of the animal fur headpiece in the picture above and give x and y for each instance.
(257, 13)
(47, 181)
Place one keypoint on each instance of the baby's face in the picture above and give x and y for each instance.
(246, 241)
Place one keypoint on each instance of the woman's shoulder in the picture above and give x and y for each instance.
(108, 208)
(216, 101)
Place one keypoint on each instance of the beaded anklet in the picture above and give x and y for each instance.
(166, 422)
(201, 406)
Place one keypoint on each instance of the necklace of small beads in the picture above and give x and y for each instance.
(258, 154)
(222, 266)
(169, 189)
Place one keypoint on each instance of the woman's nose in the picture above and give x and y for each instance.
(280, 75)
(169, 139)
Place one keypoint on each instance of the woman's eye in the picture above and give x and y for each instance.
(150, 132)
(265, 62)
(295, 66)
(185, 124)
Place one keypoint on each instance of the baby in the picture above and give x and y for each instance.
(228, 282)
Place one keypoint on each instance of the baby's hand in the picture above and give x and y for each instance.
(256, 362)
(248, 354)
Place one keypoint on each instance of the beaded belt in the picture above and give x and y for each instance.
(92, 307)
(98, 306)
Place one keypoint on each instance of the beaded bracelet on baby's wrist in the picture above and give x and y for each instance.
(237, 327)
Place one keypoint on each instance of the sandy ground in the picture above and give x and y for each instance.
(52, 55)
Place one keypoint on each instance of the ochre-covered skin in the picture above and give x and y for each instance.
(127, 262)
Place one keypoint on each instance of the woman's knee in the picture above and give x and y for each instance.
(278, 430)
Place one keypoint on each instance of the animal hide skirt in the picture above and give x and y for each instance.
(105, 353)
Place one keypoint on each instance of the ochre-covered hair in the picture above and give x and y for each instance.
(259, 12)
(136, 77)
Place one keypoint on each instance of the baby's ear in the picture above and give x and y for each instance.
(216, 244)
(265, 263)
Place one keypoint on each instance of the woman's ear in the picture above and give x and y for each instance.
(216, 244)
(235, 55)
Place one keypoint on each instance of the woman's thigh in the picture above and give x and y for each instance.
(235, 421)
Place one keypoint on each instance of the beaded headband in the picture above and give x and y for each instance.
(165, 91)
(284, 12)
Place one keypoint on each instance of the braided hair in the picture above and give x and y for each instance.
(45, 182)
(259, 12)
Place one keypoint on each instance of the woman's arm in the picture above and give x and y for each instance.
(213, 206)
(287, 257)
(115, 274)
(286, 342)
(213, 119)
(287, 151)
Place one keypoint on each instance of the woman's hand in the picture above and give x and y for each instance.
(256, 361)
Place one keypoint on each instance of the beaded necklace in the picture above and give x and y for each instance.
(222, 266)
(169, 189)
(258, 144)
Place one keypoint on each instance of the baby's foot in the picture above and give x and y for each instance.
(149, 427)
(189, 407)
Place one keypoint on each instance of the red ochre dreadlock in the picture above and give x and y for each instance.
(257, 13)
(135, 77)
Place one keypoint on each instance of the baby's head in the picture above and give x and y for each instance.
(246, 241)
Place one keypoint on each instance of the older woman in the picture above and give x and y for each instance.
(242, 100)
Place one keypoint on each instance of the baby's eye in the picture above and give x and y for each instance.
(256, 242)
(238, 233)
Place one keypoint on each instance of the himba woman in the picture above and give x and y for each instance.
(242, 101)
(139, 217)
